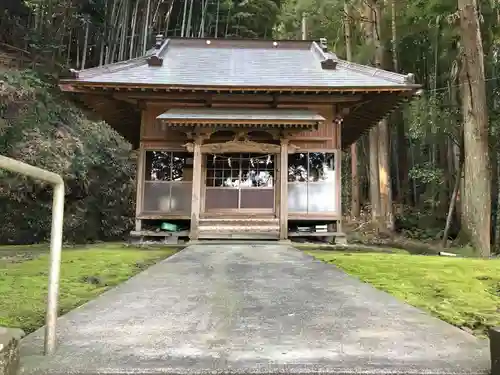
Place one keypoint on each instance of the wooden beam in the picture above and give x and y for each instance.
(283, 204)
(237, 146)
(308, 139)
(243, 98)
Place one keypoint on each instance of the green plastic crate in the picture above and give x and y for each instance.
(169, 227)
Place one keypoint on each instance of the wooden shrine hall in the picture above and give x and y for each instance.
(240, 139)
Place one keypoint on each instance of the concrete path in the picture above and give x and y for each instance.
(245, 309)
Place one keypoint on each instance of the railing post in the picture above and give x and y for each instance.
(495, 350)
(57, 182)
(55, 267)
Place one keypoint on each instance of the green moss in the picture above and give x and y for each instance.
(460, 291)
(85, 273)
(350, 249)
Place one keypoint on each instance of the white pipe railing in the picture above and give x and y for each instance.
(55, 240)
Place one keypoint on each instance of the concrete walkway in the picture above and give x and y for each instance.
(247, 309)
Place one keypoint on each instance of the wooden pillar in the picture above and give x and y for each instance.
(141, 161)
(195, 196)
(338, 167)
(340, 238)
(338, 176)
(283, 204)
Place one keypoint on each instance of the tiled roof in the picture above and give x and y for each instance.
(242, 63)
(230, 114)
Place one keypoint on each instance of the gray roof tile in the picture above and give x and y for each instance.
(242, 63)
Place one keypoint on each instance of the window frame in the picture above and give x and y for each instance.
(239, 169)
(142, 167)
(336, 165)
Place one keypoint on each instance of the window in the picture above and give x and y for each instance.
(168, 184)
(240, 170)
(312, 184)
(169, 166)
(240, 181)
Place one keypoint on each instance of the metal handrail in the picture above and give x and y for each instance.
(55, 240)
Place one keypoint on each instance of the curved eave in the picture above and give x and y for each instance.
(383, 100)
(124, 118)
(369, 114)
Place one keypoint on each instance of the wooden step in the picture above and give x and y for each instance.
(232, 235)
(246, 226)
(239, 228)
(239, 220)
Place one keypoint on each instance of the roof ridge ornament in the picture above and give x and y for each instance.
(410, 78)
(158, 41)
(323, 43)
(160, 45)
(74, 73)
(329, 64)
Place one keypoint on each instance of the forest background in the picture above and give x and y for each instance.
(430, 165)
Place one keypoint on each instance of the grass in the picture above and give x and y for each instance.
(462, 291)
(86, 272)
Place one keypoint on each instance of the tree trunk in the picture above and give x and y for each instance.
(102, 51)
(494, 192)
(217, 20)
(124, 28)
(228, 20)
(374, 178)
(203, 14)
(371, 39)
(451, 208)
(169, 16)
(365, 172)
(445, 189)
(355, 202)
(190, 16)
(85, 44)
(116, 31)
(134, 23)
(69, 47)
(355, 206)
(146, 28)
(477, 189)
(401, 145)
(109, 34)
(77, 50)
(184, 15)
(384, 175)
